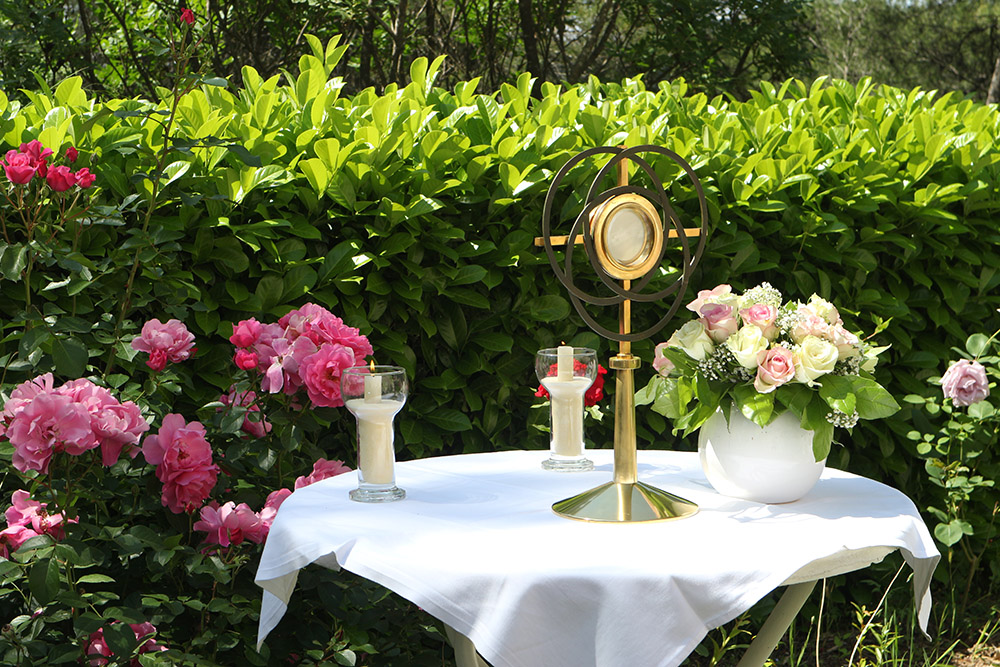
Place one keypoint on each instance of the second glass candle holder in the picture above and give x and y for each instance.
(374, 394)
(566, 373)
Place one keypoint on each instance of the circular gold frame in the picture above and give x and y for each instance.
(602, 221)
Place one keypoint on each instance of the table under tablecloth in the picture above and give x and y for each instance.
(476, 544)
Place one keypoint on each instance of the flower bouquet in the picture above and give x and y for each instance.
(764, 356)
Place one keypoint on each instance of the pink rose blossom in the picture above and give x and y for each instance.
(245, 359)
(321, 374)
(84, 178)
(12, 537)
(187, 16)
(965, 383)
(809, 324)
(719, 320)
(321, 326)
(229, 524)
(848, 344)
(775, 367)
(35, 150)
(32, 514)
(119, 426)
(72, 154)
(762, 316)
(51, 422)
(60, 178)
(22, 395)
(183, 460)
(170, 341)
(708, 296)
(246, 333)
(97, 650)
(322, 469)
(18, 167)
(662, 364)
(270, 511)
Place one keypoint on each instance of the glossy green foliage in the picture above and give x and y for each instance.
(411, 213)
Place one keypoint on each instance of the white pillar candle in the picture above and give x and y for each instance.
(566, 399)
(373, 388)
(375, 452)
(564, 363)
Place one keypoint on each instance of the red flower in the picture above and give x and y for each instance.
(72, 154)
(84, 178)
(187, 16)
(593, 396)
(18, 167)
(60, 178)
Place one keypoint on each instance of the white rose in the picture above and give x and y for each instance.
(813, 358)
(693, 339)
(746, 344)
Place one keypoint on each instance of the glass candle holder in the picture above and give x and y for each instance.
(566, 373)
(374, 394)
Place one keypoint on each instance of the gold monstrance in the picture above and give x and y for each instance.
(623, 237)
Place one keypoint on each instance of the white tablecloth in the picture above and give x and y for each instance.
(476, 544)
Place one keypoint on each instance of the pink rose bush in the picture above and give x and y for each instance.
(31, 160)
(306, 350)
(41, 420)
(754, 347)
(27, 518)
(170, 341)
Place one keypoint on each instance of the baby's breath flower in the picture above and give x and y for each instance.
(842, 419)
(763, 293)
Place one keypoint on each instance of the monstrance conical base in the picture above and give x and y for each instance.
(624, 502)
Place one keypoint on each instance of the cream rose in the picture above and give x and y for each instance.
(746, 344)
(693, 339)
(762, 316)
(813, 358)
(848, 345)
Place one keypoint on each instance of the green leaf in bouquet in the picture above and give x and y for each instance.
(681, 360)
(795, 397)
(755, 406)
(673, 400)
(873, 402)
(838, 393)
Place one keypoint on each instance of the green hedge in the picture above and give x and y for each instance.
(411, 214)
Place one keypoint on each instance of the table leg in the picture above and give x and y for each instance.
(465, 650)
(776, 624)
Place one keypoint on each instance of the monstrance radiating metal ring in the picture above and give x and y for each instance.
(624, 240)
(595, 203)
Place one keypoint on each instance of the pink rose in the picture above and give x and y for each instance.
(719, 320)
(229, 524)
(762, 316)
(965, 383)
(809, 324)
(245, 359)
(22, 395)
(119, 426)
(97, 650)
(246, 333)
(707, 296)
(84, 178)
(187, 16)
(321, 326)
(270, 511)
(60, 178)
(322, 469)
(35, 150)
(321, 371)
(164, 341)
(662, 364)
(32, 514)
(848, 345)
(49, 423)
(12, 537)
(72, 154)
(775, 367)
(183, 460)
(18, 167)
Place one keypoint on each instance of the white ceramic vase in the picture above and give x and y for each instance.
(773, 464)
